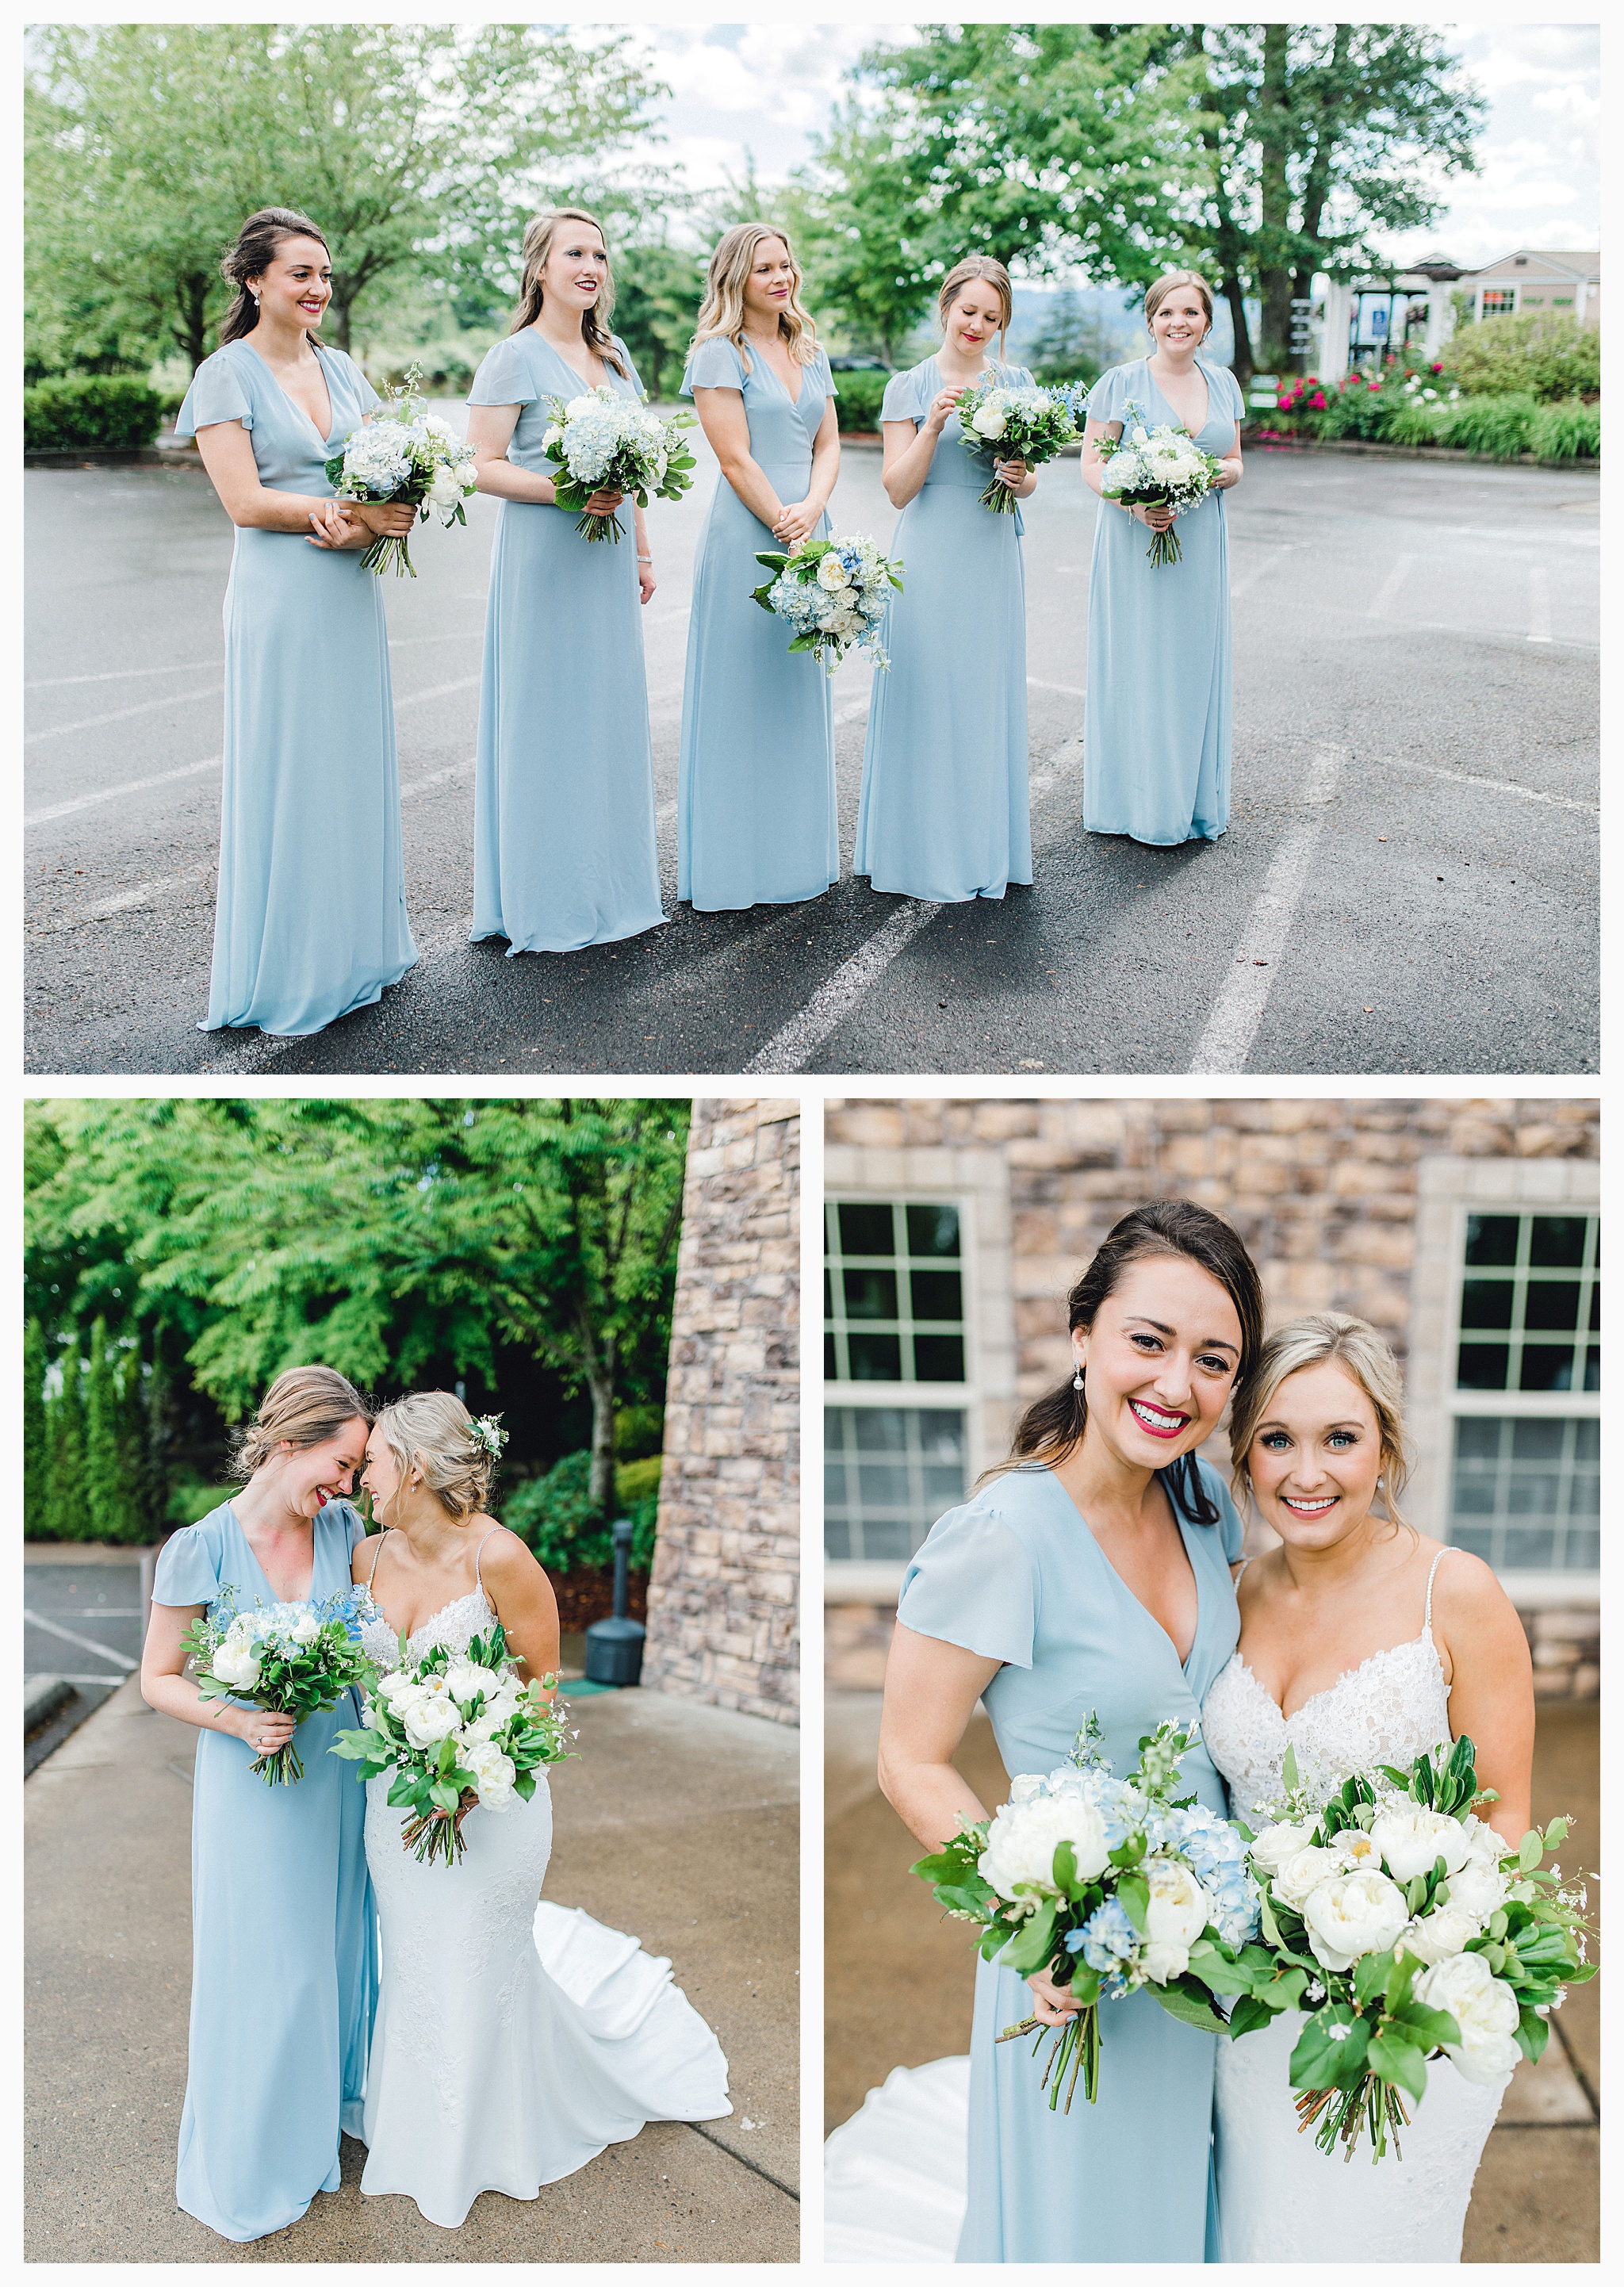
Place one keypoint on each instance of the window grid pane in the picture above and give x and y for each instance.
(889, 1473)
(1527, 1492)
(1528, 1299)
(894, 1293)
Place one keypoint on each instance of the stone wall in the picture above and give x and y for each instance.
(1323, 1191)
(722, 1615)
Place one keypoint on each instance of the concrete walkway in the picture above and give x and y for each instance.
(678, 1821)
(898, 1981)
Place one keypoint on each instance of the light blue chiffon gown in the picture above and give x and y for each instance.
(756, 819)
(1016, 1575)
(944, 812)
(1156, 748)
(564, 790)
(284, 1943)
(309, 915)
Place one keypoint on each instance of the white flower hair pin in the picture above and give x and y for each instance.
(488, 1435)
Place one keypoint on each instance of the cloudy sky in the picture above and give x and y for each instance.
(768, 88)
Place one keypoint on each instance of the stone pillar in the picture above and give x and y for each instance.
(722, 1616)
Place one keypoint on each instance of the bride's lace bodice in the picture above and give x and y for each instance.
(456, 1626)
(1390, 1709)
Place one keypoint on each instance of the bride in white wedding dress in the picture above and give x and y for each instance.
(513, 2039)
(1332, 1663)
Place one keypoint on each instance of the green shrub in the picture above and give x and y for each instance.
(856, 404)
(1547, 356)
(554, 1516)
(1496, 426)
(192, 1498)
(1566, 431)
(1414, 424)
(1055, 373)
(1359, 408)
(639, 1430)
(78, 412)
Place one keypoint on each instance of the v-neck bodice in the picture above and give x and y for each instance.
(1216, 433)
(198, 1565)
(1017, 1576)
(781, 427)
(525, 370)
(236, 384)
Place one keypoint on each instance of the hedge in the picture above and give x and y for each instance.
(101, 412)
(553, 1515)
(1548, 357)
(857, 402)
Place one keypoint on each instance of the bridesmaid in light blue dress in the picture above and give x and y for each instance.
(284, 1948)
(945, 813)
(565, 853)
(756, 814)
(310, 917)
(1157, 720)
(1019, 1577)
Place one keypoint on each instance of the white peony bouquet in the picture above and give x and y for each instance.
(832, 594)
(458, 1729)
(404, 452)
(290, 1660)
(1400, 1925)
(602, 441)
(1021, 424)
(1157, 468)
(1113, 1887)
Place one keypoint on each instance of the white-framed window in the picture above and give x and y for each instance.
(1504, 1374)
(1497, 302)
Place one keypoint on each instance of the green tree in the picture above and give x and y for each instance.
(1072, 344)
(107, 1488)
(873, 247)
(36, 1437)
(658, 291)
(70, 1515)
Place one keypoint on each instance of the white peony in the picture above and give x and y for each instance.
(236, 1663)
(465, 1680)
(1484, 2010)
(1448, 1929)
(306, 1629)
(1303, 1872)
(988, 420)
(1353, 1914)
(1179, 1911)
(492, 1774)
(1357, 1849)
(1412, 1839)
(397, 1685)
(1028, 1787)
(446, 489)
(436, 427)
(832, 572)
(429, 1720)
(1023, 1838)
(1278, 1843)
(1477, 1890)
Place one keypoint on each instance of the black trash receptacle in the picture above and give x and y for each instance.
(614, 1648)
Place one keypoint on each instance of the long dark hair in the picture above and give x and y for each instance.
(255, 250)
(1052, 1428)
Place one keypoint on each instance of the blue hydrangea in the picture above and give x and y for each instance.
(1107, 1938)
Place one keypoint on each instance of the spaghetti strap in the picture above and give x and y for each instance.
(479, 1552)
(1438, 1559)
(377, 1553)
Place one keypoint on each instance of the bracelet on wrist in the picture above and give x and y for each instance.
(646, 559)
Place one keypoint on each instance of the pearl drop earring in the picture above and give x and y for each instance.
(1077, 1376)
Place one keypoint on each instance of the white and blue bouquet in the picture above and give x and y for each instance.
(1157, 468)
(1112, 1885)
(290, 1660)
(1021, 424)
(602, 441)
(832, 594)
(404, 452)
(457, 1730)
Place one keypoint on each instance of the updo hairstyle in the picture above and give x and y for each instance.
(1355, 1345)
(1156, 295)
(252, 255)
(983, 266)
(302, 1407)
(433, 1432)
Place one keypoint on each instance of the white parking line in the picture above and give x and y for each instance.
(1387, 594)
(86, 1644)
(805, 1032)
(121, 674)
(117, 793)
(416, 697)
(144, 893)
(1538, 604)
(1232, 1027)
(95, 721)
(1506, 785)
(1067, 689)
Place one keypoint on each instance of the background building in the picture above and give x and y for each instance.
(1361, 319)
(1467, 1231)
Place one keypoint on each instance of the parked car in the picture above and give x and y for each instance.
(859, 365)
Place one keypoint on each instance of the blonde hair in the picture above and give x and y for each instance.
(302, 1407)
(1355, 1345)
(979, 266)
(1156, 295)
(433, 1432)
(721, 311)
(540, 233)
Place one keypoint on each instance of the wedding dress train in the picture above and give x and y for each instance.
(513, 2040)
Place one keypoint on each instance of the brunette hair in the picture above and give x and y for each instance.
(721, 311)
(433, 1432)
(540, 233)
(1355, 1345)
(255, 250)
(304, 1406)
(979, 266)
(1157, 294)
(1052, 1428)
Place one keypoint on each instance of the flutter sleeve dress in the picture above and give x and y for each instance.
(284, 1944)
(1016, 1576)
(1156, 750)
(944, 811)
(309, 913)
(755, 820)
(565, 854)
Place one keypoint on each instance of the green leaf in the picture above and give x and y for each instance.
(1316, 2060)
(1556, 1833)
(1289, 1770)
(1435, 2027)
(445, 1795)
(1401, 2061)
(1033, 1943)
(1064, 1869)
(1400, 1977)
(1135, 1893)
(1270, 1928)
(1188, 2004)
(1370, 1974)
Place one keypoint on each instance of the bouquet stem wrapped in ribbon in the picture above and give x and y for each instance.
(458, 1729)
(1112, 1885)
(1026, 424)
(404, 452)
(832, 594)
(290, 1660)
(1407, 1927)
(603, 442)
(1157, 468)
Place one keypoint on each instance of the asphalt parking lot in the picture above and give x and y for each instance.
(1408, 884)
